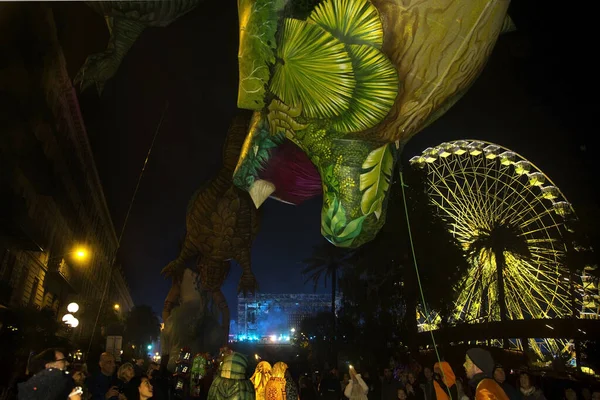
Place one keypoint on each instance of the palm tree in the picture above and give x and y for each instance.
(326, 262)
(503, 237)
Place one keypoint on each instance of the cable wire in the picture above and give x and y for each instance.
(131, 202)
(414, 255)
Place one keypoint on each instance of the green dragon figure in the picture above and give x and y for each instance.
(221, 226)
(231, 382)
(348, 82)
(126, 20)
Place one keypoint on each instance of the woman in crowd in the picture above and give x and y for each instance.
(144, 388)
(528, 389)
(413, 389)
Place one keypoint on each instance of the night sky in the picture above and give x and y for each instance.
(533, 97)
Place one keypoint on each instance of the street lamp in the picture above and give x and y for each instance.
(293, 330)
(67, 318)
(70, 320)
(116, 307)
(81, 253)
(73, 307)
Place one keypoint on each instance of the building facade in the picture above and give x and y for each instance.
(266, 315)
(57, 239)
(119, 293)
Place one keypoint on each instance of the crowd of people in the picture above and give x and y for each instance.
(54, 378)
(480, 378)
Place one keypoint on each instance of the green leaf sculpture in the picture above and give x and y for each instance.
(313, 69)
(334, 226)
(376, 180)
(351, 21)
(375, 92)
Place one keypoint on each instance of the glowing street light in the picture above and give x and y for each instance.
(67, 318)
(116, 307)
(81, 253)
(149, 347)
(293, 330)
(70, 320)
(73, 307)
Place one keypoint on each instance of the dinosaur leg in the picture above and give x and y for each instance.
(221, 302)
(248, 282)
(172, 299)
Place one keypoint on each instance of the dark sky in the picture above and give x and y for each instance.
(532, 98)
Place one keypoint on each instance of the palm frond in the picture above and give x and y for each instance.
(375, 92)
(313, 71)
(351, 21)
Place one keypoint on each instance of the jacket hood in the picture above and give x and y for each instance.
(448, 375)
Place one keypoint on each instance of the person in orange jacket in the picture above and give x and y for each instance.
(479, 366)
(444, 381)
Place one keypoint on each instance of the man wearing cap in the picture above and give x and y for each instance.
(479, 366)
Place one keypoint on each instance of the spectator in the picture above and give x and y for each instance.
(444, 382)
(528, 389)
(402, 395)
(413, 389)
(389, 386)
(104, 385)
(330, 388)
(307, 389)
(139, 367)
(125, 374)
(49, 358)
(48, 384)
(144, 388)
(479, 367)
(357, 389)
(500, 378)
(427, 386)
(570, 394)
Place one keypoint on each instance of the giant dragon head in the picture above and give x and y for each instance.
(338, 86)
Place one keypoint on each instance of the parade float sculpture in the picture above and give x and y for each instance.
(341, 85)
(275, 389)
(231, 382)
(126, 20)
(260, 378)
(221, 225)
(189, 321)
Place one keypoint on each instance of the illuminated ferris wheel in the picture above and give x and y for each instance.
(511, 221)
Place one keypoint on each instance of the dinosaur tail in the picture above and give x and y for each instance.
(235, 140)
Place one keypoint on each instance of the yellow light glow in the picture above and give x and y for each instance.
(81, 253)
(117, 307)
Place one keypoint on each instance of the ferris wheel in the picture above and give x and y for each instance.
(511, 220)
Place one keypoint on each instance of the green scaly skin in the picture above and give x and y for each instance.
(338, 159)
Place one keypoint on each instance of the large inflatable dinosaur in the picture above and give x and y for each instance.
(348, 82)
(221, 225)
(126, 20)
